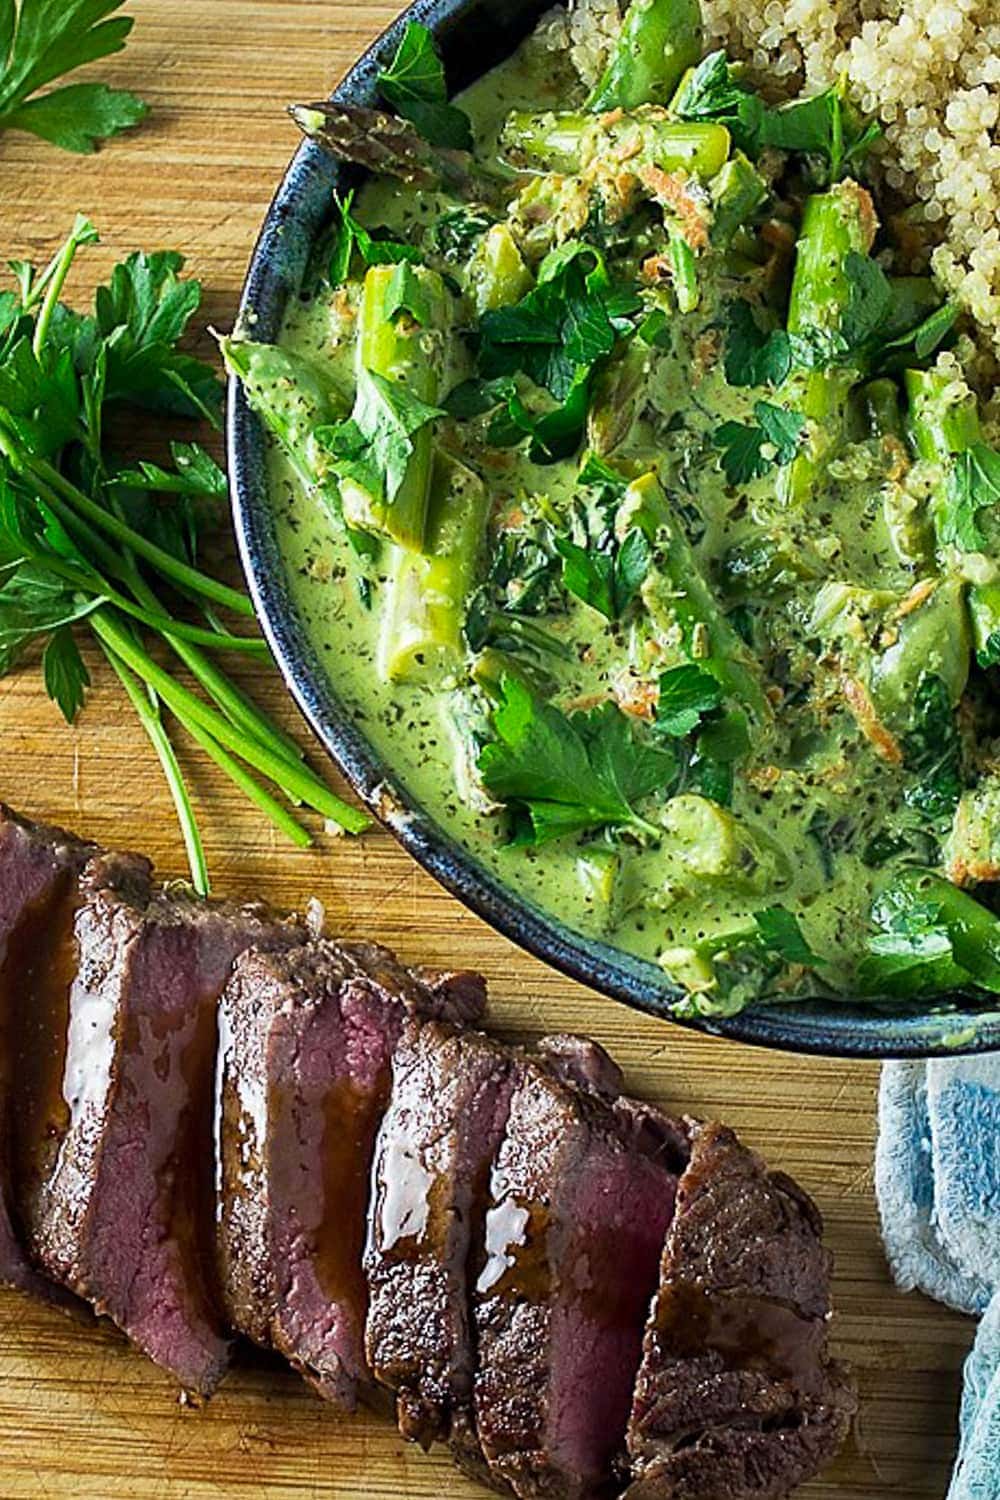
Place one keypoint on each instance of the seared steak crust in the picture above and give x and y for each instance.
(450, 1098)
(304, 1078)
(39, 870)
(124, 1213)
(737, 1395)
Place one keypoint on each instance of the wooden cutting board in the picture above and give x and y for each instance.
(81, 1416)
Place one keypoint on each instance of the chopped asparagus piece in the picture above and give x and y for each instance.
(497, 275)
(835, 224)
(410, 354)
(681, 605)
(647, 137)
(429, 591)
(659, 41)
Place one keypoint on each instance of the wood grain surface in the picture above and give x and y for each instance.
(81, 1416)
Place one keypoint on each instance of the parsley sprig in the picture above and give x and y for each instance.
(824, 127)
(42, 40)
(414, 85)
(86, 544)
(569, 773)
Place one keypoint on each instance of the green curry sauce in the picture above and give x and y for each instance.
(795, 609)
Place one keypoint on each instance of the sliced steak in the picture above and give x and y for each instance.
(737, 1395)
(304, 1077)
(450, 1099)
(574, 1232)
(39, 870)
(119, 1199)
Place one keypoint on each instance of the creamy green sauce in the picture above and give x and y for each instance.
(814, 794)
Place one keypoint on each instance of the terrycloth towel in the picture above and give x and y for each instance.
(937, 1175)
(977, 1473)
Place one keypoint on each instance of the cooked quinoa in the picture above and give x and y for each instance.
(929, 70)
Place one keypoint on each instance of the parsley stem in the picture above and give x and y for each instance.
(152, 723)
(299, 781)
(42, 474)
(55, 278)
(163, 624)
(236, 706)
(258, 795)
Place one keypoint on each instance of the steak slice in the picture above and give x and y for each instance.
(737, 1395)
(39, 870)
(574, 1232)
(121, 1204)
(304, 1077)
(451, 1094)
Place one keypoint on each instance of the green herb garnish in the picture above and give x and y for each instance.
(86, 545)
(561, 774)
(414, 85)
(42, 40)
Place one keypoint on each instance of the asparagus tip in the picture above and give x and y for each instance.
(308, 117)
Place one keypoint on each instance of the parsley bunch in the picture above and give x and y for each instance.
(42, 40)
(89, 543)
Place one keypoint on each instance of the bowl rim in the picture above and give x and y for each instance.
(821, 1028)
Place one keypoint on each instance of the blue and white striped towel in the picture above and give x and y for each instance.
(937, 1175)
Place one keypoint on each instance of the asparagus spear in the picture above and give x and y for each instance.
(409, 353)
(659, 41)
(944, 423)
(383, 143)
(835, 224)
(680, 602)
(646, 137)
(429, 591)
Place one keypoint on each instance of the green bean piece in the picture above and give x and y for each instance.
(680, 603)
(405, 352)
(570, 143)
(738, 191)
(497, 275)
(835, 223)
(974, 931)
(944, 422)
(659, 41)
(429, 591)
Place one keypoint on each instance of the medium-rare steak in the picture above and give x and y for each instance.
(737, 1395)
(451, 1094)
(304, 1078)
(39, 868)
(122, 1205)
(573, 1236)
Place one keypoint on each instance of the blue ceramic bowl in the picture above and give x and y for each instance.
(475, 35)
